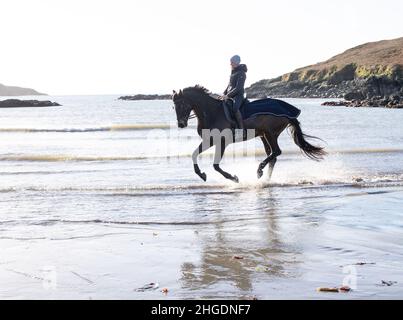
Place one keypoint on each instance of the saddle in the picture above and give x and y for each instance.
(227, 106)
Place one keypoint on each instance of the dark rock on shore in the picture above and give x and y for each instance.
(16, 103)
(335, 103)
(395, 102)
(147, 97)
(354, 95)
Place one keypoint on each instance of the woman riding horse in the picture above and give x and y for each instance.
(215, 129)
(235, 89)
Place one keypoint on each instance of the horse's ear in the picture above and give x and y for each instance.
(173, 92)
(180, 92)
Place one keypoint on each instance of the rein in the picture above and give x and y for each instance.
(192, 116)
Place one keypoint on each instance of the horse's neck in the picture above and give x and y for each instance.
(201, 117)
(206, 113)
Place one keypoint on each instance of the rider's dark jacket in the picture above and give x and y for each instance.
(235, 88)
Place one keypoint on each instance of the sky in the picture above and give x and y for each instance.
(64, 47)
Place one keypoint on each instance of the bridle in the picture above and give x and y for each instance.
(192, 115)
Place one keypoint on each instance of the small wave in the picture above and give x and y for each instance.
(367, 150)
(249, 153)
(118, 127)
(117, 222)
(121, 190)
(72, 158)
(175, 190)
(46, 172)
(61, 157)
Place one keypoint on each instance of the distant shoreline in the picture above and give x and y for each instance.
(394, 102)
(146, 97)
(380, 102)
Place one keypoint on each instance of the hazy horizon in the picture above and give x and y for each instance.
(129, 47)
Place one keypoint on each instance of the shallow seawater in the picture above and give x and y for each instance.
(98, 198)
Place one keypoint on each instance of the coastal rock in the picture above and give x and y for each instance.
(354, 95)
(147, 97)
(373, 103)
(346, 73)
(16, 103)
(363, 72)
(335, 103)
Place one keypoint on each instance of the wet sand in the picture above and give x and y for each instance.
(287, 249)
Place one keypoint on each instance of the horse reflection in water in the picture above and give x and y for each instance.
(256, 239)
(212, 119)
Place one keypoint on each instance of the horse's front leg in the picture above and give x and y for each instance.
(204, 145)
(219, 152)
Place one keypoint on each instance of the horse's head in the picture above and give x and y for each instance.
(182, 108)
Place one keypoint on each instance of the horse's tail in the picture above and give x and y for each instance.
(311, 151)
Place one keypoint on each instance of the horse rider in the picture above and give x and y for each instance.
(235, 89)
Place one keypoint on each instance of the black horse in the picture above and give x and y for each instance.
(215, 129)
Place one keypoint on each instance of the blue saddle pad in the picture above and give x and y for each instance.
(269, 106)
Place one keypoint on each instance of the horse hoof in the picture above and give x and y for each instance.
(235, 179)
(259, 174)
(203, 176)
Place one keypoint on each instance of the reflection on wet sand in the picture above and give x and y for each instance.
(237, 254)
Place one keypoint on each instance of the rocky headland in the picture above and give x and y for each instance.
(18, 91)
(367, 75)
(16, 103)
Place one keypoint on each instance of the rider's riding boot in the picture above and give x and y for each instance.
(241, 132)
(239, 120)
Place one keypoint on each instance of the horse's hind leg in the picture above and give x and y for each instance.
(271, 167)
(267, 149)
(272, 150)
(219, 152)
(268, 152)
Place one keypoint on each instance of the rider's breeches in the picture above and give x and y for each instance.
(237, 103)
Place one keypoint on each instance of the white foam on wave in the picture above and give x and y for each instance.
(332, 171)
(224, 187)
(115, 127)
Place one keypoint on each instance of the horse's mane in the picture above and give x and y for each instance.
(201, 89)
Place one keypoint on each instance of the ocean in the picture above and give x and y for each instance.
(98, 198)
